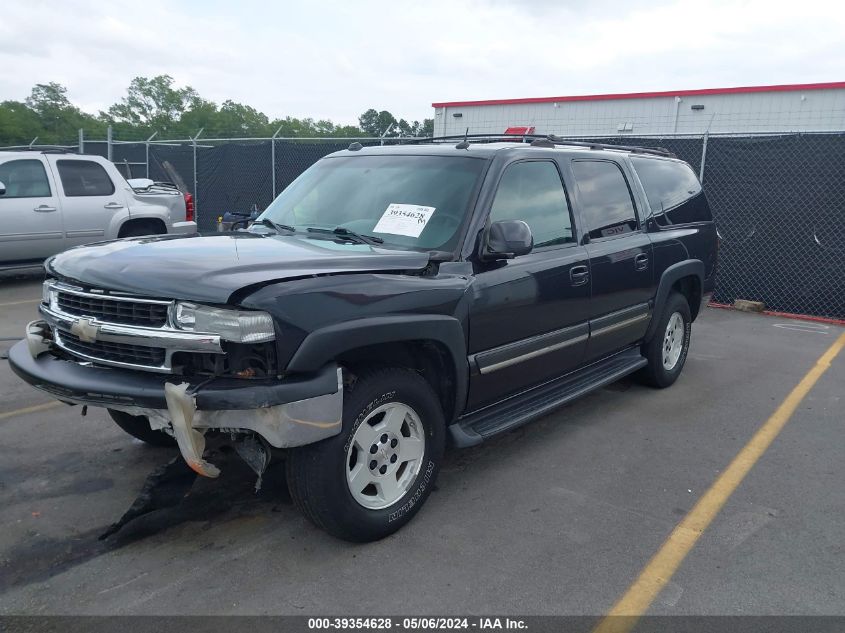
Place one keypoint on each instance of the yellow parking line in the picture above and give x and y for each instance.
(660, 569)
(17, 303)
(33, 409)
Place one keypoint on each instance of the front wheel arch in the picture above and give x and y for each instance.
(439, 332)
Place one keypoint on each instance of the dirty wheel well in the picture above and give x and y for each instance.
(142, 226)
(690, 287)
(430, 358)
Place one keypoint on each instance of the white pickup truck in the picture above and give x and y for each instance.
(52, 201)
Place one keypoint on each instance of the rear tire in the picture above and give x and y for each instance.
(666, 352)
(372, 478)
(138, 426)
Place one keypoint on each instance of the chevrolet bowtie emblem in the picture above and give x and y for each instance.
(85, 330)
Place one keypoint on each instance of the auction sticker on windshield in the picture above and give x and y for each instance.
(404, 219)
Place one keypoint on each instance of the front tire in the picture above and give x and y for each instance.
(372, 478)
(666, 352)
(138, 426)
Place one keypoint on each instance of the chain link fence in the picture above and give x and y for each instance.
(778, 200)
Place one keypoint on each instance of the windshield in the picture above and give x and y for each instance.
(416, 202)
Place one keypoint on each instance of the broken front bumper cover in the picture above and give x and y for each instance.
(294, 411)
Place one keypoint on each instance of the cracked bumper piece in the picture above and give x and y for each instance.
(294, 411)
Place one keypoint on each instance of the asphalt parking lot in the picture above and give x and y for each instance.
(558, 517)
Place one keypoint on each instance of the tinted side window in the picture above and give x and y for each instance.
(606, 204)
(533, 192)
(673, 191)
(24, 179)
(84, 178)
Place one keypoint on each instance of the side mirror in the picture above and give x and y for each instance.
(507, 239)
(2, 189)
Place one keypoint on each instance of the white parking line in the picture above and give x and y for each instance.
(17, 303)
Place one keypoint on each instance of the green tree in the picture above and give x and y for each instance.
(375, 123)
(153, 105)
(59, 120)
(199, 115)
(18, 123)
(237, 119)
(157, 105)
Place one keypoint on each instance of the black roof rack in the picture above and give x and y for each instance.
(43, 149)
(546, 140)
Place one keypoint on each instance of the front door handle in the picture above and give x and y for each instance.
(113, 205)
(44, 208)
(579, 275)
(641, 261)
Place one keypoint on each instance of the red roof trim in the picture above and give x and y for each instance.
(649, 95)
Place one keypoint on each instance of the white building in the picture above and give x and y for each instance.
(744, 110)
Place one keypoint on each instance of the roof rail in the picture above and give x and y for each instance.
(635, 149)
(478, 138)
(546, 140)
(42, 149)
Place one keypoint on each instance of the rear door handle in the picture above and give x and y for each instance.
(43, 208)
(113, 205)
(641, 261)
(579, 275)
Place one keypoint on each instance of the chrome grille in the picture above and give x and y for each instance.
(114, 352)
(146, 314)
(120, 330)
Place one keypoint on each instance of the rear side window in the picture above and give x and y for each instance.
(673, 191)
(24, 179)
(84, 178)
(533, 192)
(606, 204)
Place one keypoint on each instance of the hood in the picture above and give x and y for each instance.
(211, 267)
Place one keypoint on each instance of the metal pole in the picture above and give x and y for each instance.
(80, 148)
(677, 109)
(703, 157)
(108, 143)
(273, 159)
(389, 127)
(147, 144)
(196, 196)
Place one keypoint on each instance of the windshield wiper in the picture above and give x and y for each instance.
(278, 228)
(371, 240)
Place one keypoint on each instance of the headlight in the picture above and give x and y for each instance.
(241, 326)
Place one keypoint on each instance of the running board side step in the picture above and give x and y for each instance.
(517, 410)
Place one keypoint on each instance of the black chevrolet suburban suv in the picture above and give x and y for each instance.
(391, 300)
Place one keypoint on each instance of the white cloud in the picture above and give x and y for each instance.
(334, 59)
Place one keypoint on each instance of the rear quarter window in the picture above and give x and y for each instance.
(84, 178)
(673, 191)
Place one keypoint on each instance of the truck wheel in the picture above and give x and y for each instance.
(373, 477)
(666, 352)
(138, 426)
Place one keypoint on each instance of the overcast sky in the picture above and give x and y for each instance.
(334, 59)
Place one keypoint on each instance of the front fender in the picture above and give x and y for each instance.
(326, 344)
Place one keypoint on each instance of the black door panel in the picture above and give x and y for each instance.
(528, 321)
(621, 258)
(517, 302)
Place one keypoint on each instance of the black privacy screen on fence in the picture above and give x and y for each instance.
(779, 202)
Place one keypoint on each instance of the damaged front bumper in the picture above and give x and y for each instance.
(294, 411)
